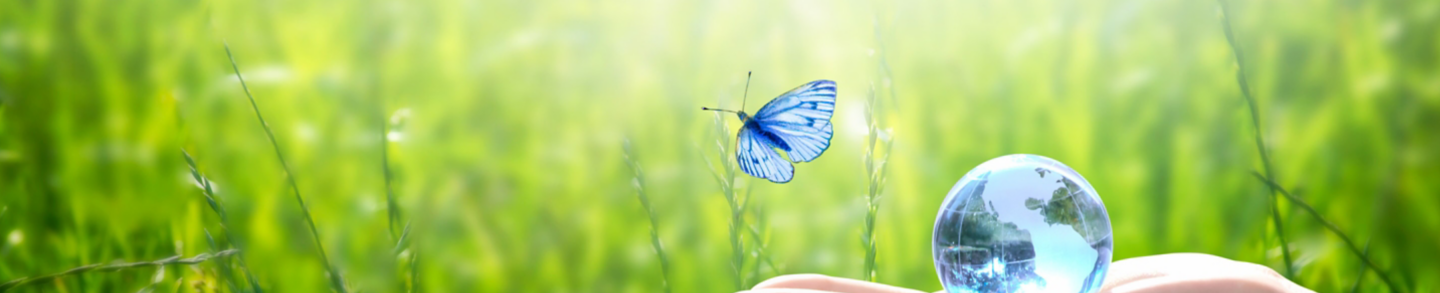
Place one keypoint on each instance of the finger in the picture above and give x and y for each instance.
(782, 290)
(817, 282)
(1214, 283)
(1140, 268)
(1193, 272)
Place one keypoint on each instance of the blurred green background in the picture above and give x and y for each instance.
(507, 120)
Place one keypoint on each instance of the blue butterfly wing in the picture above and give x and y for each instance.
(756, 154)
(799, 120)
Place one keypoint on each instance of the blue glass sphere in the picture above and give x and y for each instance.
(1022, 223)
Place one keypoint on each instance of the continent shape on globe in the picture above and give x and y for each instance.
(1063, 252)
(1022, 223)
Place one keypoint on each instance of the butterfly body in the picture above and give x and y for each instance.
(797, 123)
(770, 138)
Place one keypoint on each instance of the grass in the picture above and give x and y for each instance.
(1360, 278)
(875, 168)
(337, 282)
(875, 181)
(159, 264)
(761, 246)
(392, 209)
(1361, 253)
(414, 272)
(1259, 138)
(510, 170)
(224, 220)
(226, 271)
(219, 255)
(639, 184)
(761, 252)
(725, 177)
(1268, 177)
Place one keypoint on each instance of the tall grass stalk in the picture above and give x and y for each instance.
(414, 272)
(762, 246)
(402, 247)
(392, 208)
(1268, 177)
(725, 177)
(754, 249)
(639, 183)
(225, 269)
(336, 281)
(762, 252)
(173, 260)
(1259, 137)
(155, 280)
(1362, 254)
(875, 180)
(875, 167)
(209, 192)
(1360, 278)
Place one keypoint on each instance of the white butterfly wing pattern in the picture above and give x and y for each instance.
(757, 157)
(799, 121)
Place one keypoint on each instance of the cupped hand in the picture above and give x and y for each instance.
(1176, 272)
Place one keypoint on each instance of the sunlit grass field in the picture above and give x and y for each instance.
(504, 127)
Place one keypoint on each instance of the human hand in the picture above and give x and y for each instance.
(1176, 272)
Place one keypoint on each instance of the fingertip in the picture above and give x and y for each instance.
(792, 281)
(823, 283)
(1197, 284)
(1194, 272)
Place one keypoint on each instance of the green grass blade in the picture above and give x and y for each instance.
(392, 209)
(404, 240)
(640, 193)
(760, 249)
(1360, 278)
(1362, 254)
(414, 272)
(1259, 136)
(224, 265)
(209, 192)
(875, 170)
(173, 260)
(336, 281)
(726, 179)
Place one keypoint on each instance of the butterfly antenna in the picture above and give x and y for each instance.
(745, 97)
(742, 101)
(718, 110)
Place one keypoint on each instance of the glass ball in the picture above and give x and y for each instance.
(1022, 223)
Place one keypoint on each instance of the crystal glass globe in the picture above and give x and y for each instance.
(1022, 223)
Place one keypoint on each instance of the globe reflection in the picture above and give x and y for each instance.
(1022, 223)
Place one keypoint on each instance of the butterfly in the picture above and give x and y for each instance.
(797, 122)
